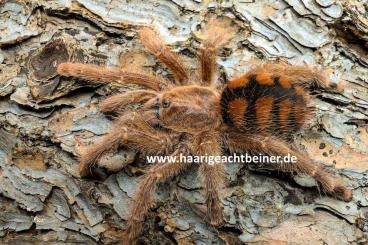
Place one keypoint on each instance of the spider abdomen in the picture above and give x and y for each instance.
(265, 103)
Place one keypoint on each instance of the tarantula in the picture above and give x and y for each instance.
(197, 115)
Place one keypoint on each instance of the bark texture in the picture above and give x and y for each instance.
(44, 118)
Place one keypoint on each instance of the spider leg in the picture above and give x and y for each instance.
(212, 180)
(130, 130)
(117, 102)
(304, 164)
(89, 155)
(215, 37)
(107, 75)
(212, 175)
(143, 197)
(297, 75)
(157, 47)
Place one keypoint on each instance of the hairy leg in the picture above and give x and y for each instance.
(157, 47)
(90, 155)
(304, 164)
(130, 130)
(298, 75)
(107, 75)
(143, 198)
(214, 38)
(212, 179)
(212, 174)
(118, 102)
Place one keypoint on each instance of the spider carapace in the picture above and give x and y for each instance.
(197, 115)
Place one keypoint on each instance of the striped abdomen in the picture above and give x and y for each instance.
(265, 103)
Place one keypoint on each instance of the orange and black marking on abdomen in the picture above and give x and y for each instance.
(275, 106)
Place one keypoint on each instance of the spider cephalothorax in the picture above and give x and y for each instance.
(256, 112)
(197, 108)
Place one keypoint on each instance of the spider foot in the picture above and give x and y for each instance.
(128, 238)
(84, 163)
(343, 193)
(216, 221)
(216, 216)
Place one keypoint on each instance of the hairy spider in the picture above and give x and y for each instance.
(196, 115)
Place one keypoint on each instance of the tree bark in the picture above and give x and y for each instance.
(44, 118)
